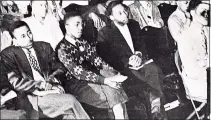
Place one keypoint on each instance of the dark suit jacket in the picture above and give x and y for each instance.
(18, 68)
(113, 48)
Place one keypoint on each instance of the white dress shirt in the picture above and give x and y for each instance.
(36, 75)
(126, 34)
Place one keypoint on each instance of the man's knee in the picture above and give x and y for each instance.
(68, 98)
(153, 69)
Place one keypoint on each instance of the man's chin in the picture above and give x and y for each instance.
(125, 21)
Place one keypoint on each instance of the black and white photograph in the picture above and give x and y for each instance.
(105, 59)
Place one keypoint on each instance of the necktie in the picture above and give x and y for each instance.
(33, 61)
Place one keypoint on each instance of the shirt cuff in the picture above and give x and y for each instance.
(101, 79)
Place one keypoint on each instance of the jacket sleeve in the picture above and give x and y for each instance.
(20, 81)
(105, 51)
(92, 56)
(77, 70)
(54, 62)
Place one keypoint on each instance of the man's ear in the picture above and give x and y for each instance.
(111, 17)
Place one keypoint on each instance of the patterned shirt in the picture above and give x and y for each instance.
(74, 57)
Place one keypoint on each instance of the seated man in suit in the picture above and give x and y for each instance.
(32, 69)
(82, 62)
(121, 46)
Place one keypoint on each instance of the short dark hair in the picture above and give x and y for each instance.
(15, 25)
(193, 5)
(111, 5)
(70, 14)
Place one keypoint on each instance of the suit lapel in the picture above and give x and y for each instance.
(41, 56)
(23, 62)
(119, 38)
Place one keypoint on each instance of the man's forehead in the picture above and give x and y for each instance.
(21, 29)
(74, 19)
(118, 7)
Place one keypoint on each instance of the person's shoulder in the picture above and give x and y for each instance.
(133, 23)
(42, 44)
(60, 45)
(10, 49)
(174, 16)
(106, 28)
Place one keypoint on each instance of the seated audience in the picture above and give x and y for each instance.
(146, 13)
(75, 53)
(179, 19)
(44, 26)
(121, 46)
(32, 69)
(194, 42)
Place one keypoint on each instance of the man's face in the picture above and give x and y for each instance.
(201, 13)
(23, 36)
(74, 27)
(39, 8)
(183, 5)
(119, 14)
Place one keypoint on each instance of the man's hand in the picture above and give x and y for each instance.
(60, 88)
(135, 61)
(98, 23)
(117, 78)
(48, 86)
(114, 85)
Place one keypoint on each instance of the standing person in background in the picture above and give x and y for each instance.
(44, 26)
(146, 13)
(179, 19)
